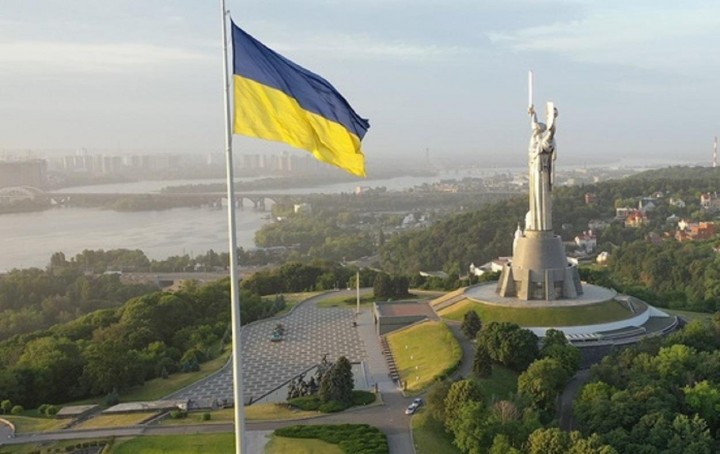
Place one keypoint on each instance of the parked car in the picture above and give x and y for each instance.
(413, 406)
(411, 409)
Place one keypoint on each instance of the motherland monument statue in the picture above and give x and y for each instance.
(539, 269)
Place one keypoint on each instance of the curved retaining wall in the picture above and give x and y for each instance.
(10, 425)
(638, 320)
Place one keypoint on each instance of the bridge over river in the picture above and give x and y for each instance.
(161, 199)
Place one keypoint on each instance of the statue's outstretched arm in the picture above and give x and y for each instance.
(533, 117)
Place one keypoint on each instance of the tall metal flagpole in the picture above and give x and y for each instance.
(234, 277)
(357, 287)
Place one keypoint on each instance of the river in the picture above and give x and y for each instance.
(29, 239)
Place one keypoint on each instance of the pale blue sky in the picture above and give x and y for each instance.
(630, 79)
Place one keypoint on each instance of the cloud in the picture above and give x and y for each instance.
(341, 45)
(675, 39)
(90, 57)
(362, 47)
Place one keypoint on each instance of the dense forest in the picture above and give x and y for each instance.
(148, 336)
(665, 272)
(34, 299)
(661, 396)
(114, 336)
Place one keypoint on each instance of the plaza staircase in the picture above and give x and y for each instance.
(387, 353)
(448, 299)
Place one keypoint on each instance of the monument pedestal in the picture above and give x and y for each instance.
(539, 269)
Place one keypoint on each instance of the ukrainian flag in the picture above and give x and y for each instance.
(275, 99)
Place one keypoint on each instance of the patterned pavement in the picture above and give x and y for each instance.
(310, 333)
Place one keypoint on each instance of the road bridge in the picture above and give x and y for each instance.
(258, 201)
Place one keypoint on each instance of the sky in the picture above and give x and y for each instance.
(632, 80)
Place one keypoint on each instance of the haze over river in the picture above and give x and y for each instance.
(29, 239)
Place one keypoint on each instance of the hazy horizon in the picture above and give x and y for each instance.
(631, 81)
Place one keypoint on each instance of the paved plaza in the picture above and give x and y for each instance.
(310, 333)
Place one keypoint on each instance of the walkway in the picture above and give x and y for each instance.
(567, 398)
(310, 333)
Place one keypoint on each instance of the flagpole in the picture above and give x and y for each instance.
(238, 401)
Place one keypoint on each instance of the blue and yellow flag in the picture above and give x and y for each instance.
(275, 99)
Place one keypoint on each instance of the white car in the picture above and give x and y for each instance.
(413, 406)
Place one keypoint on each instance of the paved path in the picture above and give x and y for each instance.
(568, 396)
(5, 432)
(310, 333)
(468, 350)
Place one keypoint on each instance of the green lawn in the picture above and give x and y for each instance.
(424, 352)
(292, 300)
(120, 420)
(500, 385)
(345, 301)
(177, 444)
(25, 424)
(283, 445)
(158, 388)
(430, 436)
(365, 299)
(687, 315)
(43, 448)
(543, 316)
(255, 412)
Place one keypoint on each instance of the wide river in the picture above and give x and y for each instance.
(29, 239)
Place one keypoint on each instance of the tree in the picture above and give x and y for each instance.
(555, 441)
(482, 363)
(382, 287)
(509, 344)
(337, 383)
(56, 364)
(6, 405)
(556, 346)
(501, 445)
(470, 427)
(435, 400)
(704, 399)
(460, 393)
(109, 365)
(542, 382)
(471, 324)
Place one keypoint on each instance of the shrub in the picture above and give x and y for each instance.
(113, 398)
(42, 409)
(52, 410)
(307, 403)
(351, 438)
(362, 397)
(178, 414)
(17, 409)
(332, 406)
(206, 417)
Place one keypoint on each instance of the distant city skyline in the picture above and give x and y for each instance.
(631, 81)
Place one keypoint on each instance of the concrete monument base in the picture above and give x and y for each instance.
(539, 269)
(641, 320)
